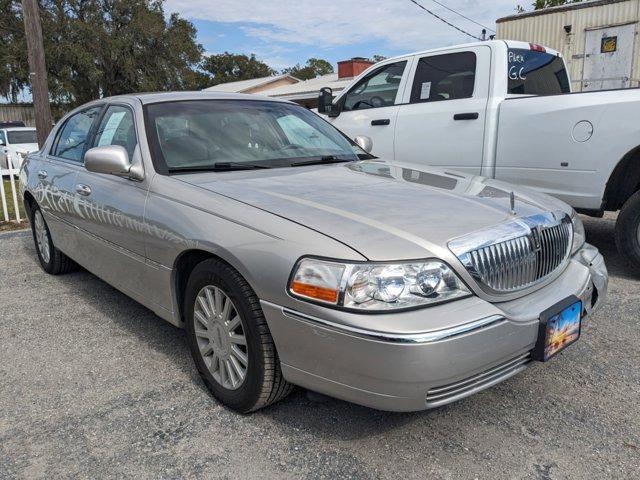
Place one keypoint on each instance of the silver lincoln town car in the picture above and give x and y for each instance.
(291, 256)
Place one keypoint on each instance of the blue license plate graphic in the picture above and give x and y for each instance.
(562, 329)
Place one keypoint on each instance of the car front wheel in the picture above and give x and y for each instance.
(229, 339)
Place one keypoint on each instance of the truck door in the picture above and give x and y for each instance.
(370, 107)
(442, 119)
(608, 57)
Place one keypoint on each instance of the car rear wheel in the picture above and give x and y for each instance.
(628, 230)
(229, 339)
(52, 260)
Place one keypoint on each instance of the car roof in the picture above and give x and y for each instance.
(159, 97)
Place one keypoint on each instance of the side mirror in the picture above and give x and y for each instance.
(364, 143)
(110, 159)
(325, 100)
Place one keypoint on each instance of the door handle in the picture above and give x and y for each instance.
(42, 174)
(84, 190)
(466, 116)
(380, 121)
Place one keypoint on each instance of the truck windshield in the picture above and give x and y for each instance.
(536, 73)
(21, 136)
(207, 134)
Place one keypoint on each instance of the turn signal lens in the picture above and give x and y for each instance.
(317, 280)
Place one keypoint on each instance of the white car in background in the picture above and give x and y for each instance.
(16, 143)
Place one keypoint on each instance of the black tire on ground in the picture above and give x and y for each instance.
(264, 383)
(628, 230)
(57, 262)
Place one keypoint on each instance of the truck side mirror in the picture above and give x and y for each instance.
(325, 100)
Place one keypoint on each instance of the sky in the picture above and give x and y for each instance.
(283, 33)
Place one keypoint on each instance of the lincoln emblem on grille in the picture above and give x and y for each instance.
(535, 239)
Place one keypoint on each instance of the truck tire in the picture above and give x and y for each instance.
(628, 231)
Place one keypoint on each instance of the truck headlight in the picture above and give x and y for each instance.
(376, 287)
(579, 236)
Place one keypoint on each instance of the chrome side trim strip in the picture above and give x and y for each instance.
(404, 338)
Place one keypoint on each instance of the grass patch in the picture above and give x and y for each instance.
(10, 206)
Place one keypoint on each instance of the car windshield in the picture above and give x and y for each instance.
(21, 136)
(205, 134)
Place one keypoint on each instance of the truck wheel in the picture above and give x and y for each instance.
(628, 230)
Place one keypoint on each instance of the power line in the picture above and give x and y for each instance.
(463, 16)
(443, 20)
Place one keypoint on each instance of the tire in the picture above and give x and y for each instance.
(52, 260)
(214, 292)
(628, 230)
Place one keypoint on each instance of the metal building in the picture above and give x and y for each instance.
(598, 39)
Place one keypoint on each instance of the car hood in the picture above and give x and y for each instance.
(383, 211)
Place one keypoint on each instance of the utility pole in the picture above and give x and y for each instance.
(37, 68)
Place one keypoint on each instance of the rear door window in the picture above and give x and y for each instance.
(444, 77)
(72, 139)
(536, 73)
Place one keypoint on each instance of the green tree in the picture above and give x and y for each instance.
(378, 58)
(312, 69)
(97, 48)
(230, 67)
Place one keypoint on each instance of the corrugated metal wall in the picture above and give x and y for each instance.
(548, 29)
(24, 113)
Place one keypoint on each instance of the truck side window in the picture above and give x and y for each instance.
(536, 73)
(444, 77)
(378, 89)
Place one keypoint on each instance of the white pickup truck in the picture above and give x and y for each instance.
(503, 109)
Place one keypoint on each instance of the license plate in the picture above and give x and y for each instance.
(559, 328)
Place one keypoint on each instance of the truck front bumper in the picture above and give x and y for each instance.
(474, 344)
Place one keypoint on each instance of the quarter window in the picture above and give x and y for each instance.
(117, 128)
(378, 89)
(444, 77)
(72, 139)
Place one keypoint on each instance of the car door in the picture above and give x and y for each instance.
(370, 107)
(442, 119)
(111, 208)
(56, 177)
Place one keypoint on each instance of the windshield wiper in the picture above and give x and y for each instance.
(321, 161)
(220, 167)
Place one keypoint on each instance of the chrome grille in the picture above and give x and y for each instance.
(517, 254)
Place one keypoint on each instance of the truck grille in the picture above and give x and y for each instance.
(517, 254)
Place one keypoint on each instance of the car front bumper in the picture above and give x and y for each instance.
(429, 357)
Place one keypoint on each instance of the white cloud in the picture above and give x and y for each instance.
(330, 23)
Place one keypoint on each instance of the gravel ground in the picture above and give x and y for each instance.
(92, 385)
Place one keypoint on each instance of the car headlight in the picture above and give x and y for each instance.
(376, 286)
(579, 237)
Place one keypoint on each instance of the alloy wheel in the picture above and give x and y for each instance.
(42, 236)
(221, 337)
